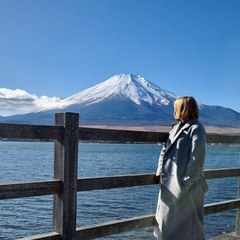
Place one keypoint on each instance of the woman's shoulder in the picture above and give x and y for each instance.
(198, 126)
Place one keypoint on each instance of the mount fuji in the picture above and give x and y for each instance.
(125, 100)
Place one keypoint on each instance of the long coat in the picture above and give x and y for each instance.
(179, 214)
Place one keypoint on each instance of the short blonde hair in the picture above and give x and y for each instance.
(186, 108)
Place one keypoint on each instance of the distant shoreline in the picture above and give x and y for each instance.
(209, 129)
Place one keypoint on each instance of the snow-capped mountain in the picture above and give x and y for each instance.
(125, 100)
(130, 86)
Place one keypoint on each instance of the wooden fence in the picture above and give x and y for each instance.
(66, 133)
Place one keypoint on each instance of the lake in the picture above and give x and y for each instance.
(33, 161)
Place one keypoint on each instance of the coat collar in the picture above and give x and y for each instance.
(173, 135)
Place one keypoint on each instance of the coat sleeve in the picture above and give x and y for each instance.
(196, 157)
(160, 161)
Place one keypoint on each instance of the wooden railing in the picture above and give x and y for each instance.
(66, 133)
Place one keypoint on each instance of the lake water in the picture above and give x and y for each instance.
(32, 161)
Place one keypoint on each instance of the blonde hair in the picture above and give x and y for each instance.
(186, 108)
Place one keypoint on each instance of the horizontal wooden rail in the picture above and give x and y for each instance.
(97, 183)
(222, 173)
(98, 134)
(47, 236)
(221, 206)
(130, 224)
(29, 189)
(24, 131)
(223, 138)
(114, 227)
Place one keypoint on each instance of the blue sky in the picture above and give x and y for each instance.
(57, 48)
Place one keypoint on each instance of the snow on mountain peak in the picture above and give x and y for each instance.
(132, 86)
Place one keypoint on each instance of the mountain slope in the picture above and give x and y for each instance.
(130, 86)
(126, 100)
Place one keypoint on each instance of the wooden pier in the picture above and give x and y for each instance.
(64, 187)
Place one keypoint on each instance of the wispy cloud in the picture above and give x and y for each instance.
(19, 101)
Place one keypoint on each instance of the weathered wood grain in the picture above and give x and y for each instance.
(222, 173)
(114, 227)
(95, 134)
(24, 131)
(223, 138)
(29, 189)
(87, 184)
(48, 236)
(65, 169)
(221, 206)
(19, 190)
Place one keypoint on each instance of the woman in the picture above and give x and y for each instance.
(179, 214)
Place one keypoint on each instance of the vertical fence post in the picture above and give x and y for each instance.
(238, 212)
(65, 169)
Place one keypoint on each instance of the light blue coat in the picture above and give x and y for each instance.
(179, 212)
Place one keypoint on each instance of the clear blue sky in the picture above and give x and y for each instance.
(59, 48)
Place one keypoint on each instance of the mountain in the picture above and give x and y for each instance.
(126, 100)
(125, 86)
